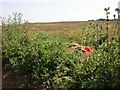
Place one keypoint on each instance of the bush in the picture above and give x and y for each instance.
(43, 59)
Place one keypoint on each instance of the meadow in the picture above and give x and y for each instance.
(34, 55)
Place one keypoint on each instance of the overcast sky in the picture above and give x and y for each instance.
(58, 10)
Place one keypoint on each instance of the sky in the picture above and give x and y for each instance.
(58, 10)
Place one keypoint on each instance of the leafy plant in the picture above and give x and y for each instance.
(44, 61)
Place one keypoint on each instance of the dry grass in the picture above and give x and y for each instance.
(72, 28)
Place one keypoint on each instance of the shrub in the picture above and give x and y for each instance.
(43, 58)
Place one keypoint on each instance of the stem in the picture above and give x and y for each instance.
(118, 28)
(107, 22)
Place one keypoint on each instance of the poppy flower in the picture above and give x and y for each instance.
(27, 37)
(88, 50)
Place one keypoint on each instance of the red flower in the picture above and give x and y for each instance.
(88, 50)
(27, 37)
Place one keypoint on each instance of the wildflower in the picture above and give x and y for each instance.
(27, 37)
(88, 50)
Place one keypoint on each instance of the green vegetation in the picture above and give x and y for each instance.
(43, 59)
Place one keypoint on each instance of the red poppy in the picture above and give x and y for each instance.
(88, 50)
(27, 37)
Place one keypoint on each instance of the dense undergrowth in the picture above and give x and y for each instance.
(43, 58)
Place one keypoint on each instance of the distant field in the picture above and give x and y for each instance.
(71, 27)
